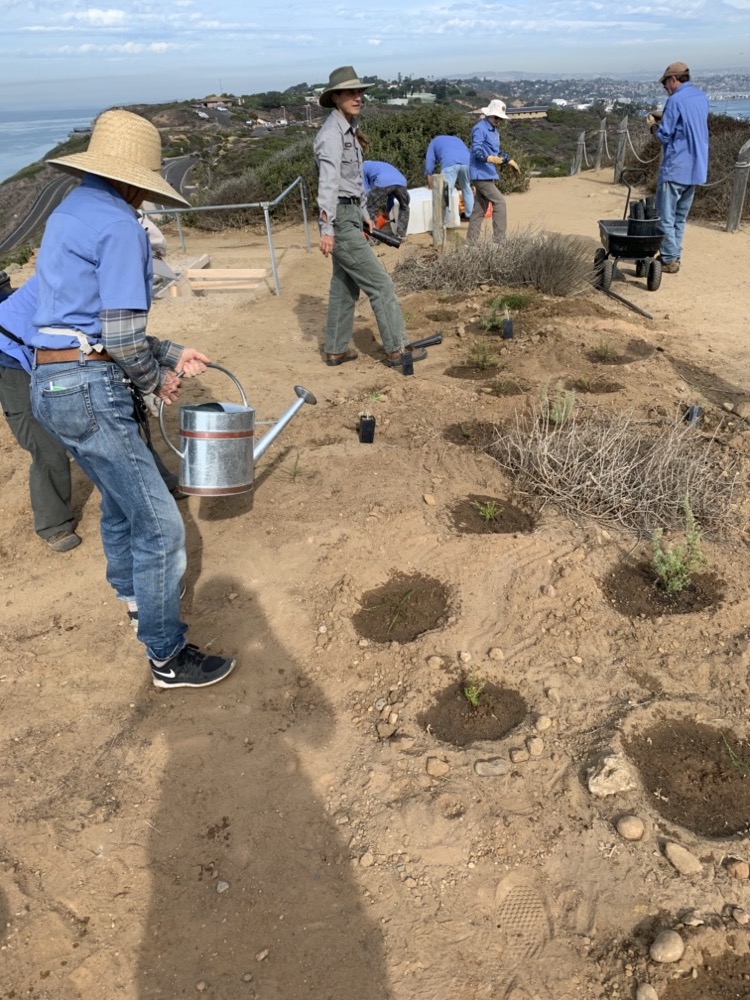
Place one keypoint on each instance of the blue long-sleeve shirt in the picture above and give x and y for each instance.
(376, 174)
(485, 141)
(683, 133)
(447, 150)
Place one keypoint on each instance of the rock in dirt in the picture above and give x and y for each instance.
(437, 768)
(611, 776)
(429, 499)
(535, 746)
(385, 730)
(681, 859)
(519, 755)
(740, 915)
(630, 827)
(262, 955)
(435, 662)
(667, 946)
(738, 869)
(464, 656)
(543, 723)
(367, 860)
(646, 991)
(492, 768)
(496, 654)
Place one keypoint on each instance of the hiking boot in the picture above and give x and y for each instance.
(63, 541)
(190, 668)
(670, 268)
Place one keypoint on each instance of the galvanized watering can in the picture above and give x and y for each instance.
(219, 454)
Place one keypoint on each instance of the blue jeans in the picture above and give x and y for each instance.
(88, 406)
(459, 174)
(673, 202)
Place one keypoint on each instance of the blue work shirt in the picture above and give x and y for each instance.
(485, 141)
(16, 317)
(94, 256)
(447, 150)
(376, 174)
(683, 133)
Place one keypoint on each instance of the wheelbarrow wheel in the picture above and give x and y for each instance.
(608, 269)
(599, 257)
(653, 279)
(641, 267)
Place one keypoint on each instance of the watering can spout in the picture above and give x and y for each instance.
(303, 396)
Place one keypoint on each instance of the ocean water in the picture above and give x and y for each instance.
(736, 108)
(26, 136)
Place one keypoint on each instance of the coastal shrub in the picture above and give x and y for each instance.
(618, 469)
(551, 262)
(19, 255)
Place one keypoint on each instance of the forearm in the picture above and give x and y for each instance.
(143, 359)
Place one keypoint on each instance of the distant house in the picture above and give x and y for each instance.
(217, 102)
(526, 112)
(423, 98)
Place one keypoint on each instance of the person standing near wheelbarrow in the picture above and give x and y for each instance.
(93, 296)
(683, 133)
(486, 156)
(343, 220)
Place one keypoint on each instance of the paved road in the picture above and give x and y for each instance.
(49, 198)
(175, 172)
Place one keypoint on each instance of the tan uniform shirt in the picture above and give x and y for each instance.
(338, 155)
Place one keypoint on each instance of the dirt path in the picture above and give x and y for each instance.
(299, 831)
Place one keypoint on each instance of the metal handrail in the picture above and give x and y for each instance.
(266, 206)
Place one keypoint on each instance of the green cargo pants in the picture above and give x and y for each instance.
(355, 268)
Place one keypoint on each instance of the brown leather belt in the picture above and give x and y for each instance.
(49, 357)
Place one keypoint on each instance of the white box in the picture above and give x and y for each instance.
(420, 211)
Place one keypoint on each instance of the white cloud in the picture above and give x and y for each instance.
(125, 48)
(111, 18)
(374, 41)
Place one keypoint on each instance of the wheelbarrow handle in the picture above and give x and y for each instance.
(639, 176)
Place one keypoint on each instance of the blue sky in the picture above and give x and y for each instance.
(58, 53)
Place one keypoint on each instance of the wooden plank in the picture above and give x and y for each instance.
(228, 272)
(223, 286)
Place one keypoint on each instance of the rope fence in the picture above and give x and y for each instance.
(738, 176)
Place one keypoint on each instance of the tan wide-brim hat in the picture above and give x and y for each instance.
(127, 148)
(343, 78)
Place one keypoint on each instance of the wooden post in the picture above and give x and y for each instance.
(739, 188)
(438, 210)
(576, 167)
(622, 139)
(601, 144)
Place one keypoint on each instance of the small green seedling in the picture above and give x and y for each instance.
(490, 510)
(376, 396)
(675, 566)
(558, 406)
(481, 355)
(604, 351)
(295, 471)
(473, 690)
(737, 762)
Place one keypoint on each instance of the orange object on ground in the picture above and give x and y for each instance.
(488, 213)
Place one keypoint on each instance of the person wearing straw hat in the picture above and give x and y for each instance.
(343, 222)
(94, 292)
(486, 156)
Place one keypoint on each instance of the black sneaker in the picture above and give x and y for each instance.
(191, 669)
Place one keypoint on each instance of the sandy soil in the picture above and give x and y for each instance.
(299, 830)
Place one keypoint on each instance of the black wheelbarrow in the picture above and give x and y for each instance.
(636, 239)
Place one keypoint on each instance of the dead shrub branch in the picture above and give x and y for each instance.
(555, 264)
(616, 469)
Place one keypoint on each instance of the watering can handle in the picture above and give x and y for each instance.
(209, 364)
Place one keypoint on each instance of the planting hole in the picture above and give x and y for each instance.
(454, 719)
(485, 515)
(402, 609)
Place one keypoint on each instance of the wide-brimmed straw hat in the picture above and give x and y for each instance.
(127, 148)
(343, 78)
(495, 107)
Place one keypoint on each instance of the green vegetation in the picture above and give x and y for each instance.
(481, 355)
(603, 352)
(489, 510)
(558, 406)
(675, 566)
(473, 690)
(21, 255)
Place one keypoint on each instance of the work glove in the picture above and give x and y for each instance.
(495, 159)
(512, 163)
